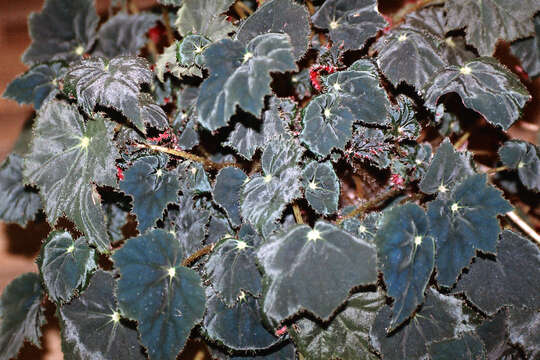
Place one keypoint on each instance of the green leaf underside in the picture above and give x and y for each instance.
(264, 197)
(22, 314)
(327, 124)
(321, 187)
(89, 328)
(406, 256)
(463, 223)
(525, 158)
(18, 204)
(279, 16)
(152, 187)
(36, 85)
(124, 34)
(227, 192)
(484, 86)
(436, 321)
(328, 262)
(67, 157)
(114, 83)
(65, 265)
(165, 307)
(466, 347)
(204, 18)
(350, 22)
(241, 76)
(347, 336)
(61, 31)
(516, 268)
(231, 268)
(528, 51)
(488, 21)
(524, 329)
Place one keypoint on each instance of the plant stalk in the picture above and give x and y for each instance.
(297, 213)
(526, 228)
(373, 203)
(197, 255)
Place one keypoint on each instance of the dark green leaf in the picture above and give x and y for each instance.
(465, 347)
(282, 352)
(18, 203)
(190, 52)
(347, 336)
(528, 51)
(193, 178)
(314, 269)
(168, 62)
(350, 22)
(165, 298)
(437, 320)
(68, 156)
(491, 285)
(22, 314)
(524, 329)
(364, 229)
(65, 265)
(406, 256)
(91, 326)
(369, 144)
(124, 34)
(488, 21)
(115, 83)
(413, 161)
(63, 30)
(151, 113)
(152, 187)
(227, 190)
(218, 228)
(493, 333)
(321, 186)
(463, 223)
(36, 85)
(525, 157)
(279, 16)
(240, 75)
(484, 86)
(403, 124)
(204, 18)
(115, 220)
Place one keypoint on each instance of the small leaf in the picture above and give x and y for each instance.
(524, 329)
(37, 85)
(22, 314)
(160, 294)
(463, 223)
(406, 256)
(240, 75)
(91, 326)
(484, 86)
(528, 51)
(369, 144)
(115, 83)
(350, 22)
(61, 31)
(403, 124)
(279, 16)
(67, 157)
(190, 51)
(491, 285)
(314, 269)
(364, 229)
(124, 34)
(227, 190)
(167, 62)
(18, 203)
(467, 347)
(321, 186)
(525, 157)
(65, 265)
(152, 187)
(490, 20)
(204, 18)
(347, 336)
(193, 178)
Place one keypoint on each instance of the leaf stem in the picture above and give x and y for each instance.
(496, 170)
(197, 255)
(373, 203)
(462, 140)
(526, 228)
(297, 213)
(242, 9)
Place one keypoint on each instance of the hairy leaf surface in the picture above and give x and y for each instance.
(204, 18)
(525, 158)
(227, 191)
(403, 123)
(321, 187)
(369, 144)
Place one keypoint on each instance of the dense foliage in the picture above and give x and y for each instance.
(283, 179)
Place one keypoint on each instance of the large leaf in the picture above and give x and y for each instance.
(321, 187)
(240, 75)
(231, 268)
(22, 314)
(491, 285)
(437, 320)
(63, 30)
(463, 223)
(487, 21)
(227, 190)
(350, 22)
(484, 86)
(165, 298)
(524, 329)
(528, 51)
(18, 203)
(65, 265)
(36, 85)
(347, 336)
(406, 255)
(328, 262)
(68, 157)
(115, 83)
(525, 158)
(91, 326)
(279, 16)
(152, 187)
(466, 347)
(204, 18)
